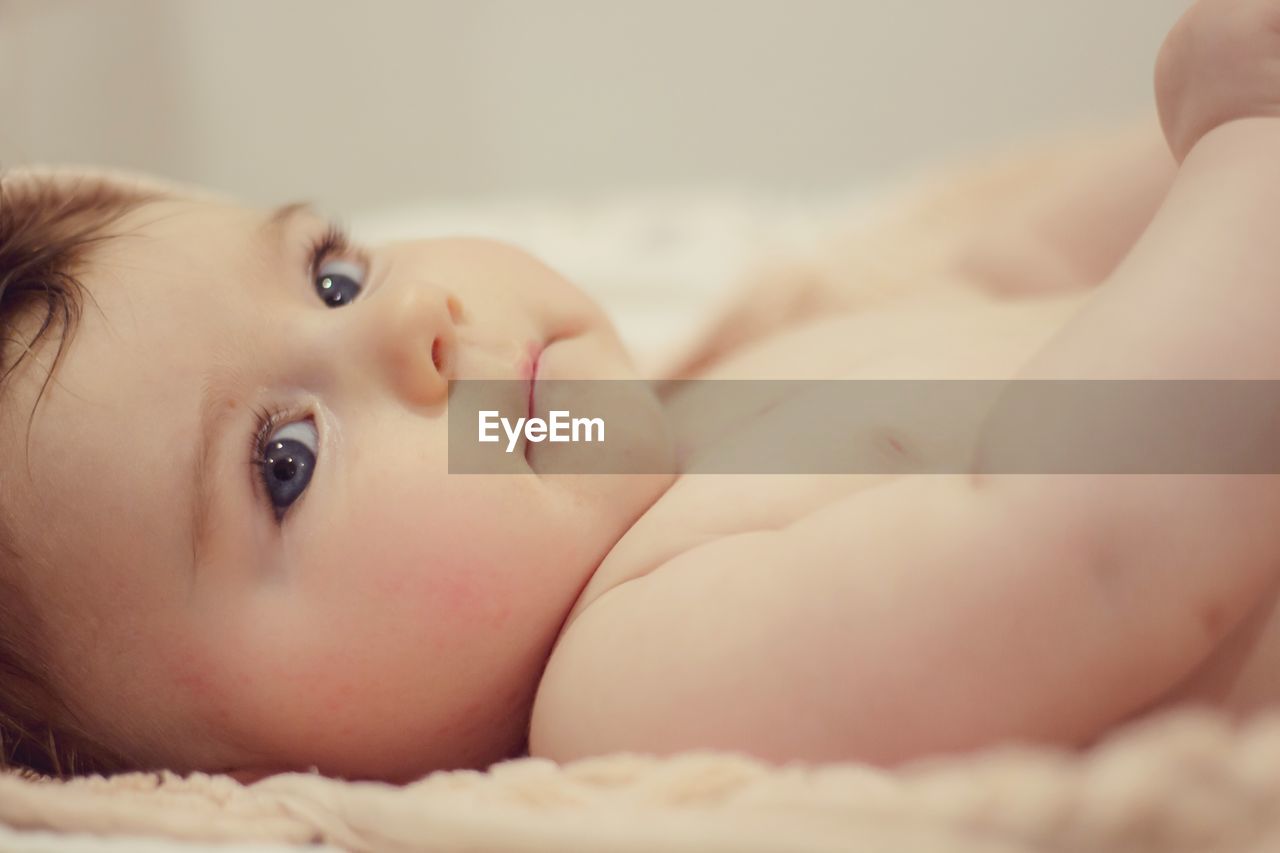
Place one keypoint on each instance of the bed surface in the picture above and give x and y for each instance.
(1188, 781)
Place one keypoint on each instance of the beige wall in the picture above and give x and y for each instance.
(363, 104)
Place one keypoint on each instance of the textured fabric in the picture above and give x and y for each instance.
(1183, 781)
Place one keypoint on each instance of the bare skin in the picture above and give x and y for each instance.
(384, 620)
(891, 617)
(394, 619)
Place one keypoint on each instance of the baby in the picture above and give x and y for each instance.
(231, 542)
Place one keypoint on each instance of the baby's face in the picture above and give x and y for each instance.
(347, 603)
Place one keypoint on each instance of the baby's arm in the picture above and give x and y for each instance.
(1197, 298)
(938, 613)
(920, 616)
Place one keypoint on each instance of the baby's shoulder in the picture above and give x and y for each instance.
(628, 653)
(700, 516)
(699, 590)
(651, 661)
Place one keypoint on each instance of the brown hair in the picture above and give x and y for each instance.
(48, 223)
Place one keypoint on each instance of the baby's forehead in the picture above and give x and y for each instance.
(177, 215)
(201, 235)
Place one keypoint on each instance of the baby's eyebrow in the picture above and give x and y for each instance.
(277, 222)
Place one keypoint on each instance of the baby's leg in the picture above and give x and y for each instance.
(1042, 219)
(1050, 219)
(1198, 297)
(1061, 219)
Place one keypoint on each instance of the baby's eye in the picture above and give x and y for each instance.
(288, 460)
(339, 282)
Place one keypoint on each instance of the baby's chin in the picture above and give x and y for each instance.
(623, 460)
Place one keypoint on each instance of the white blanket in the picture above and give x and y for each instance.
(1188, 781)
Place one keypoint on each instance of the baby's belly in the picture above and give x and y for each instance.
(953, 337)
(931, 427)
(924, 423)
(955, 333)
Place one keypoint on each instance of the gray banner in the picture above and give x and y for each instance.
(865, 427)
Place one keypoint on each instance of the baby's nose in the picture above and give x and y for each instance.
(419, 343)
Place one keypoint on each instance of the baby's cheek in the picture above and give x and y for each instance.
(432, 595)
(208, 675)
(458, 595)
(197, 683)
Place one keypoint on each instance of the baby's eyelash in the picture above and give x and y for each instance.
(268, 421)
(335, 241)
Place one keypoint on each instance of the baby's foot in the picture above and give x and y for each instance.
(1220, 62)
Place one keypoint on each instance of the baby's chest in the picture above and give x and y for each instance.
(894, 391)
(761, 454)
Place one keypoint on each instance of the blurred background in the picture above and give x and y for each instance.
(360, 104)
(652, 150)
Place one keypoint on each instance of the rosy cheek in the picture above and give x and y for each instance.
(200, 684)
(472, 603)
(338, 696)
(499, 615)
(454, 593)
(451, 598)
(195, 683)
